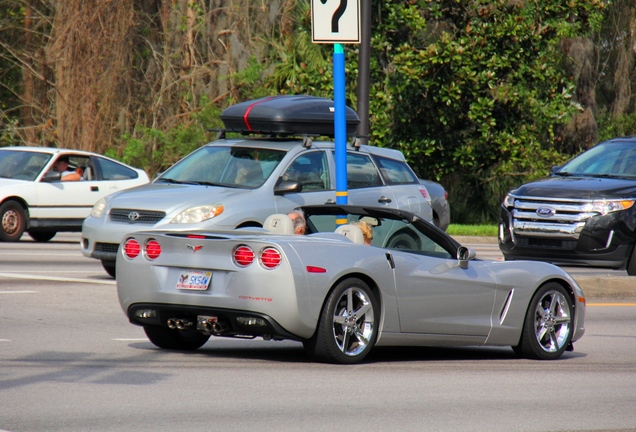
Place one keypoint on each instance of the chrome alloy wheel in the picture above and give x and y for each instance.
(353, 321)
(552, 321)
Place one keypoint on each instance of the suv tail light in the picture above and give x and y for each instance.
(243, 256)
(132, 248)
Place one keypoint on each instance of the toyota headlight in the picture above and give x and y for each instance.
(98, 209)
(197, 214)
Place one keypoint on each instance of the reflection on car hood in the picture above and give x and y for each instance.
(579, 188)
(168, 197)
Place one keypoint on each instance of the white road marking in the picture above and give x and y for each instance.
(56, 278)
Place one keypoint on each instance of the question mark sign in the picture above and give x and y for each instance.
(336, 15)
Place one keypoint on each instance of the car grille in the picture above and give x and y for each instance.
(136, 216)
(546, 223)
(106, 247)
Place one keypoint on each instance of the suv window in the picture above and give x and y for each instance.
(311, 169)
(395, 172)
(361, 172)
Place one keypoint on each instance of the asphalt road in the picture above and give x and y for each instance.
(70, 361)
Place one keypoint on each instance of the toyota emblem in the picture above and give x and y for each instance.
(133, 216)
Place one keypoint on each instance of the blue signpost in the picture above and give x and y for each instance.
(338, 22)
(340, 124)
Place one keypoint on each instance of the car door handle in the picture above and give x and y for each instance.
(94, 188)
(384, 200)
(330, 201)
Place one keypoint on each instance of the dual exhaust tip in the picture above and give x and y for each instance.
(206, 324)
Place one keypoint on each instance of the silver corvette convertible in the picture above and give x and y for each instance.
(339, 295)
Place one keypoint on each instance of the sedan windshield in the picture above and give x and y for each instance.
(241, 167)
(22, 165)
(610, 159)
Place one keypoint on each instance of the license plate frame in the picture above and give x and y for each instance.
(193, 280)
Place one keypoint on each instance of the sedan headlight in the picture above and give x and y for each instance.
(605, 207)
(98, 209)
(198, 214)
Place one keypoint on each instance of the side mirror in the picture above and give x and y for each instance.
(554, 169)
(283, 187)
(465, 254)
(52, 176)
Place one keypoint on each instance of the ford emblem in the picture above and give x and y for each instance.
(546, 211)
(133, 216)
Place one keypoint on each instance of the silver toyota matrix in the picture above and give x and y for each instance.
(278, 163)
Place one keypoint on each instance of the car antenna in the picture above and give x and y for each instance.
(307, 142)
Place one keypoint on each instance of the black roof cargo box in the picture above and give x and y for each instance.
(286, 115)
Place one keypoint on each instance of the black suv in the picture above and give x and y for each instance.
(583, 214)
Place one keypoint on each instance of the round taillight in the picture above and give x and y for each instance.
(132, 248)
(270, 258)
(153, 249)
(243, 256)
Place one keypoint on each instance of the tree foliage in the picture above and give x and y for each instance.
(480, 95)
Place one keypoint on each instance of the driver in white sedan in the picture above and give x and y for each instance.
(61, 166)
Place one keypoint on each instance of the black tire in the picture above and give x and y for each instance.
(547, 329)
(403, 240)
(348, 326)
(631, 263)
(173, 339)
(42, 236)
(12, 221)
(110, 266)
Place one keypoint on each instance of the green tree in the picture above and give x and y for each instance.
(469, 91)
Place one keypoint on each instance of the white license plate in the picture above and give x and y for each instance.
(194, 280)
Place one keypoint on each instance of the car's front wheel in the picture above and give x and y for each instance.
(631, 263)
(547, 330)
(173, 339)
(12, 221)
(348, 326)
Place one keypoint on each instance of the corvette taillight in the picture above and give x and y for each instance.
(270, 258)
(132, 248)
(153, 249)
(243, 256)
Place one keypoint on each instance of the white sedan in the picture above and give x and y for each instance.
(34, 198)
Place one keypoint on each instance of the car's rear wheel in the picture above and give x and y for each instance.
(110, 266)
(42, 236)
(12, 221)
(173, 339)
(348, 324)
(547, 330)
